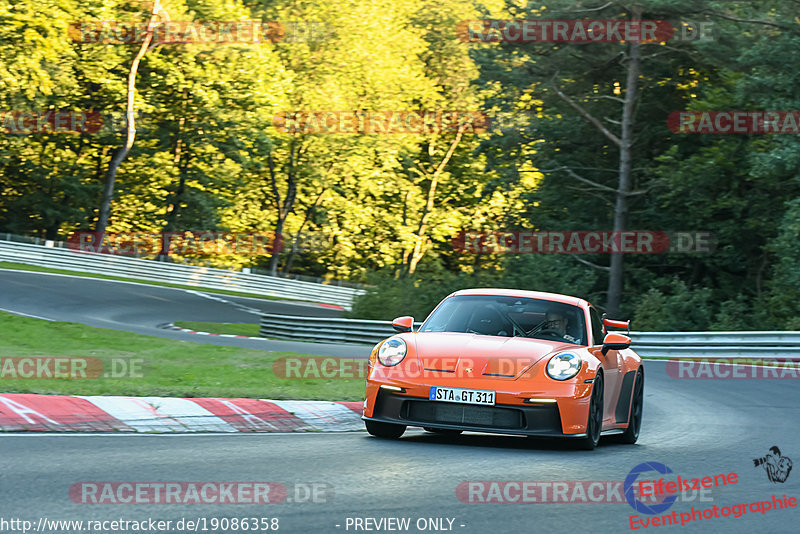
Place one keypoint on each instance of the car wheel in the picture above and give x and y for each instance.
(443, 431)
(631, 434)
(595, 422)
(385, 430)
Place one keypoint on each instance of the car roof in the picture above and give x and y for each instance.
(555, 297)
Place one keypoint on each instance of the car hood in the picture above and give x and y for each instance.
(477, 355)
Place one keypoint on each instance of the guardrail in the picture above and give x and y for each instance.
(328, 330)
(175, 273)
(751, 344)
(778, 344)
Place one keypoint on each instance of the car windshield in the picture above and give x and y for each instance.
(503, 316)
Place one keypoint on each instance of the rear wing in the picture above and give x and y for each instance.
(624, 325)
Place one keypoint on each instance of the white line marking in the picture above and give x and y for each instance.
(242, 307)
(27, 315)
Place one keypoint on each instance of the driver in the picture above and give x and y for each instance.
(558, 324)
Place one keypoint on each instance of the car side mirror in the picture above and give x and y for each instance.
(614, 341)
(403, 324)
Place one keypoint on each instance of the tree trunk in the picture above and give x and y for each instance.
(615, 278)
(130, 128)
(273, 260)
(181, 161)
(418, 252)
(296, 241)
(283, 208)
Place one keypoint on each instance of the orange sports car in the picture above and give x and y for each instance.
(509, 362)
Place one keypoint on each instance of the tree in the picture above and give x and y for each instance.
(157, 12)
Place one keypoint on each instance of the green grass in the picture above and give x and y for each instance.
(237, 329)
(37, 269)
(167, 367)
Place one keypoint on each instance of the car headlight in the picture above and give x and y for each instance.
(564, 366)
(392, 351)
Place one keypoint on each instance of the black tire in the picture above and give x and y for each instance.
(385, 430)
(442, 431)
(631, 433)
(594, 425)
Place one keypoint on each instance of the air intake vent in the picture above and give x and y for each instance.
(458, 414)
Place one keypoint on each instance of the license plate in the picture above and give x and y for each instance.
(463, 396)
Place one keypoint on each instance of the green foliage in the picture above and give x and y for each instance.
(391, 297)
(418, 294)
(784, 295)
(735, 314)
(680, 309)
(209, 157)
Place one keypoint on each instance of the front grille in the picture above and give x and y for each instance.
(462, 414)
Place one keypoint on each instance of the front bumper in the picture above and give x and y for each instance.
(534, 420)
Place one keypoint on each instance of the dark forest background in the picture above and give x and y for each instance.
(585, 146)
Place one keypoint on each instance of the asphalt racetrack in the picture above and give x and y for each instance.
(144, 309)
(696, 427)
(351, 482)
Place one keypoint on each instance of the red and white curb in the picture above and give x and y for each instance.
(61, 413)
